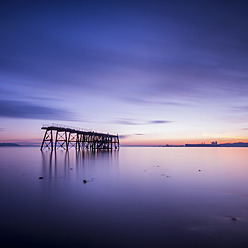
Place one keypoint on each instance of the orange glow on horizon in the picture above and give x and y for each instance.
(181, 141)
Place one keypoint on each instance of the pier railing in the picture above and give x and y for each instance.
(66, 126)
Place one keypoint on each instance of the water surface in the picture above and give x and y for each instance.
(134, 197)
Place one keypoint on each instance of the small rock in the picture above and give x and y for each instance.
(234, 219)
(199, 170)
(41, 177)
(167, 176)
(70, 168)
(157, 165)
(84, 181)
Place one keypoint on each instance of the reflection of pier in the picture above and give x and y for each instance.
(76, 165)
(67, 137)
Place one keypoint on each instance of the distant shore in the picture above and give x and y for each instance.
(17, 145)
(214, 144)
(9, 144)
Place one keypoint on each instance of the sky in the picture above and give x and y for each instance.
(153, 72)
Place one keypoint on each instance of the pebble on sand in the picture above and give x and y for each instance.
(41, 177)
(84, 181)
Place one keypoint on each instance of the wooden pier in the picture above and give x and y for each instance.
(65, 137)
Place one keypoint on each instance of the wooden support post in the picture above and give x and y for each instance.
(66, 141)
(78, 141)
(56, 140)
(94, 142)
(85, 141)
(43, 140)
(51, 139)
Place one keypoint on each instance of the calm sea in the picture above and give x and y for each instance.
(134, 197)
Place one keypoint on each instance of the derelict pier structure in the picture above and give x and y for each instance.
(65, 137)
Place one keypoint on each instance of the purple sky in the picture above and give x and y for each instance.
(155, 72)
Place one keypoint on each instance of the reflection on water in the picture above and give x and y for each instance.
(134, 197)
(76, 160)
(70, 168)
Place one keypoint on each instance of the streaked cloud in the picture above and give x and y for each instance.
(160, 51)
(124, 136)
(126, 122)
(136, 122)
(28, 110)
(143, 101)
(242, 108)
(159, 122)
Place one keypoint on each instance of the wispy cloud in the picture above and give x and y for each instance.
(136, 122)
(124, 136)
(242, 108)
(149, 102)
(156, 54)
(28, 110)
(159, 122)
(126, 122)
(246, 129)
